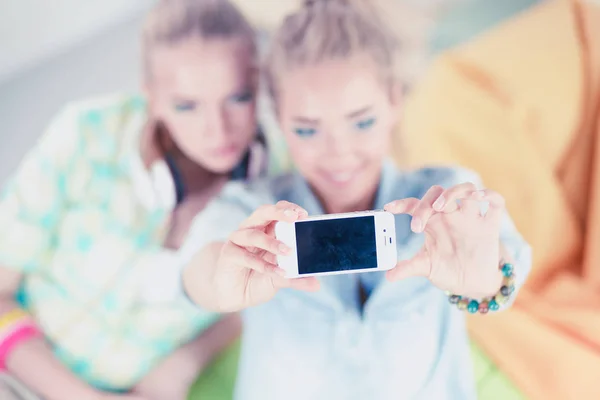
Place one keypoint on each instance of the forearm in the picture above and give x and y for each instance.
(214, 340)
(495, 280)
(198, 277)
(34, 364)
(172, 377)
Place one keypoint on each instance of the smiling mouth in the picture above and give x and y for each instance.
(340, 178)
(225, 151)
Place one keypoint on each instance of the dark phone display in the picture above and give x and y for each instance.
(336, 245)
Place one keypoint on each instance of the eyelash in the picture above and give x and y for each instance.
(305, 132)
(191, 106)
(365, 124)
(183, 107)
(242, 98)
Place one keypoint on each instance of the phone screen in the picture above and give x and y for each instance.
(336, 245)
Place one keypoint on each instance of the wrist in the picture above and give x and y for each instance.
(498, 281)
(16, 329)
(491, 287)
(198, 278)
(490, 302)
(34, 364)
(91, 394)
(76, 393)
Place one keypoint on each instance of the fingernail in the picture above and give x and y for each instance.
(416, 224)
(479, 194)
(279, 271)
(439, 204)
(289, 213)
(283, 248)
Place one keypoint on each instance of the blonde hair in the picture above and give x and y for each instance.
(173, 21)
(325, 30)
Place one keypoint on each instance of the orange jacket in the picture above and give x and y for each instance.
(521, 105)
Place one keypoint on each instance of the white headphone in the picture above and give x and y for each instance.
(257, 164)
(163, 185)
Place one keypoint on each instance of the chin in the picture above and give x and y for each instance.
(218, 164)
(340, 200)
(220, 167)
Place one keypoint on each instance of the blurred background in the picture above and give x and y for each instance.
(55, 52)
(59, 51)
(65, 50)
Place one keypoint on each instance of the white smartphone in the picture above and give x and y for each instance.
(338, 244)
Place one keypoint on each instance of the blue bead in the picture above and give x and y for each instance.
(493, 306)
(507, 270)
(473, 306)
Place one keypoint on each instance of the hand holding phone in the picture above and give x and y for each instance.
(247, 273)
(338, 244)
(462, 248)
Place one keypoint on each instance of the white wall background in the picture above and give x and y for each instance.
(31, 30)
(56, 51)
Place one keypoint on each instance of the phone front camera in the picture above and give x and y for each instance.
(384, 230)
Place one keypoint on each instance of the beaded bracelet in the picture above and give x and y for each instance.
(489, 303)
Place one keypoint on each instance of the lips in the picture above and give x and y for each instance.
(225, 151)
(341, 177)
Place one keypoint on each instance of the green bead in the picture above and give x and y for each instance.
(501, 299)
(493, 306)
(463, 304)
(473, 306)
(509, 281)
(507, 269)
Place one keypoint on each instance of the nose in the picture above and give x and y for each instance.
(216, 123)
(338, 145)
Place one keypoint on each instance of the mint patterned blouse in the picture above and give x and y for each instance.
(84, 221)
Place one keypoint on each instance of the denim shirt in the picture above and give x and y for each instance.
(405, 342)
